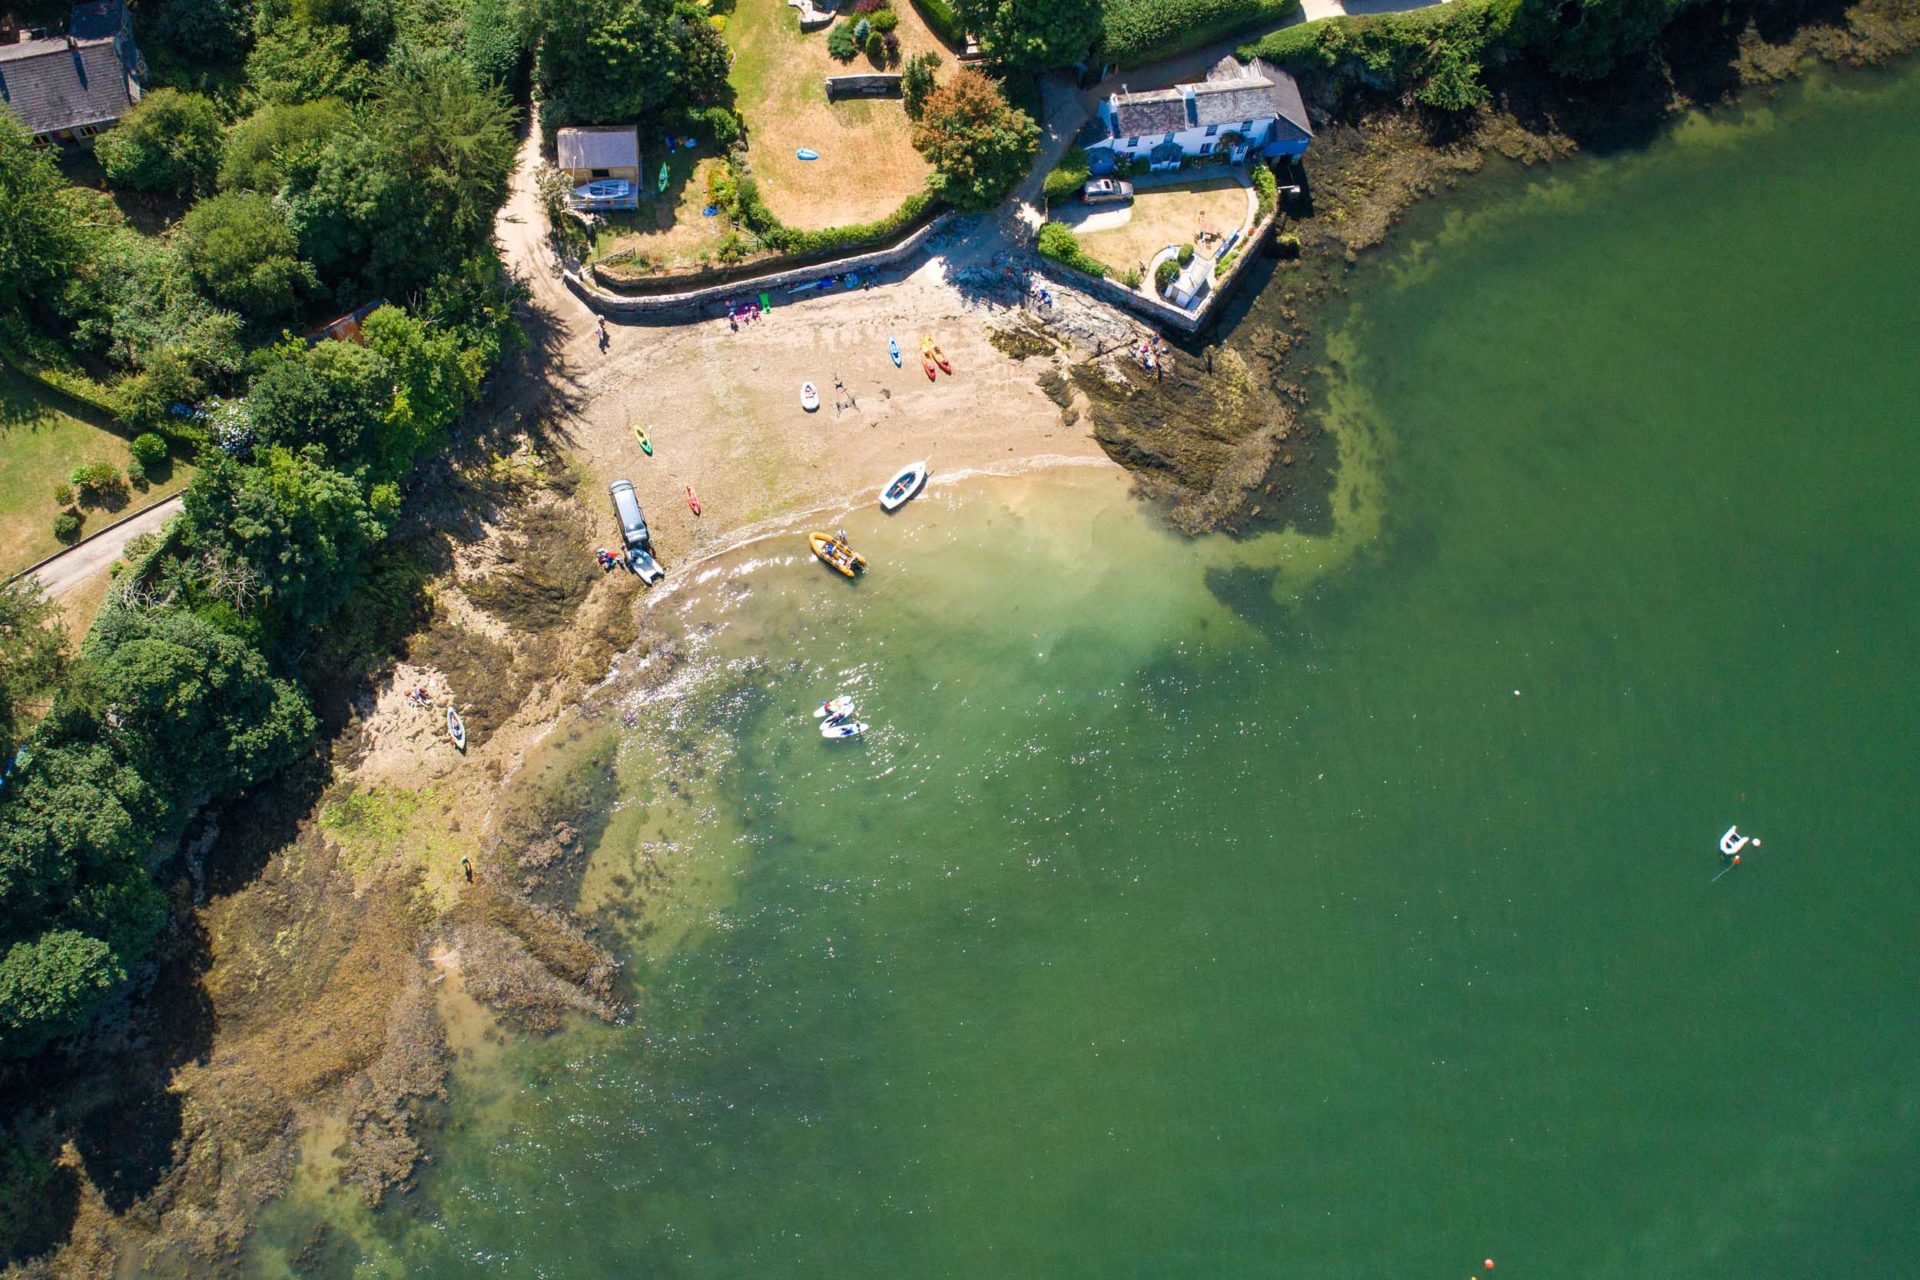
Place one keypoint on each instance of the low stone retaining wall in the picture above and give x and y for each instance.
(1158, 310)
(718, 294)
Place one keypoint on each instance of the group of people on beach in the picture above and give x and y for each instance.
(741, 311)
(608, 561)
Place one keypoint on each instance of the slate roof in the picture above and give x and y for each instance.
(599, 148)
(1162, 111)
(64, 84)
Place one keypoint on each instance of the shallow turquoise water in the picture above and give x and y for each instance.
(1185, 915)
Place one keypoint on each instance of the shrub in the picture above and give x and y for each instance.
(725, 126)
(1165, 274)
(1065, 179)
(243, 254)
(884, 20)
(63, 495)
(1436, 54)
(66, 525)
(1266, 190)
(861, 30)
(840, 42)
(1186, 254)
(733, 247)
(917, 80)
(98, 482)
(1140, 31)
(869, 7)
(169, 142)
(943, 21)
(1131, 277)
(1058, 242)
(1226, 261)
(876, 46)
(149, 451)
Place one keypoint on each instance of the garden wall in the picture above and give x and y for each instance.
(695, 299)
(1157, 310)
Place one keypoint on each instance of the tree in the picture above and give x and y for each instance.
(149, 451)
(917, 80)
(152, 682)
(44, 237)
(333, 395)
(280, 142)
(496, 42)
(601, 60)
(32, 658)
(49, 985)
(978, 145)
(1586, 39)
(205, 30)
(169, 141)
(296, 63)
(412, 187)
(243, 254)
(302, 528)
(1032, 35)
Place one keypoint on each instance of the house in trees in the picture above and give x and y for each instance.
(1239, 110)
(68, 88)
(602, 166)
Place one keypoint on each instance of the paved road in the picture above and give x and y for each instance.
(75, 567)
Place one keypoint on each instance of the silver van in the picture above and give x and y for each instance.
(637, 541)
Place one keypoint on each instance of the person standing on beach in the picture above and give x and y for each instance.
(604, 340)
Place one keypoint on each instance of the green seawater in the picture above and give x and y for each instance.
(1343, 905)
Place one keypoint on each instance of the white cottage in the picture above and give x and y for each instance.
(1240, 109)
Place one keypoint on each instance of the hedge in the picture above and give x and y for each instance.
(945, 22)
(42, 360)
(1058, 242)
(1141, 31)
(1066, 178)
(1266, 190)
(1436, 53)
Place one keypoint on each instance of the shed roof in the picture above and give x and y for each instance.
(1161, 111)
(610, 147)
(64, 84)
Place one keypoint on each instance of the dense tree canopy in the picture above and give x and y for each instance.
(606, 61)
(30, 658)
(169, 142)
(978, 145)
(243, 254)
(43, 237)
(280, 143)
(1032, 35)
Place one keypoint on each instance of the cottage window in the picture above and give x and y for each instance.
(1206, 148)
(1132, 142)
(1212, 130)
(1168, 138)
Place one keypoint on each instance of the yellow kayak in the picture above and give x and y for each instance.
(833, 550)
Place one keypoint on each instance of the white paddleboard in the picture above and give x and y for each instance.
(842, 729)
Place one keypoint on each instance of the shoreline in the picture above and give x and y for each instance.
(242, 1122)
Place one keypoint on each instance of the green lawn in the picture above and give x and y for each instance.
(40, 442)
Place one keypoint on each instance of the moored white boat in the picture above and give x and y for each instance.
(901, 489)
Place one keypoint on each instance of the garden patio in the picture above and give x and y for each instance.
(1171, 209)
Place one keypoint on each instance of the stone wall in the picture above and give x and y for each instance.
(664, 304)
(1157, 310)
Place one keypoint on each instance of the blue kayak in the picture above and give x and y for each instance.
(806, 153)
(893, 349)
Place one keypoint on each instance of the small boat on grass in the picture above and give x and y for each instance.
(838, 708)
(833, 550)
(901, 489)
(456, 729)
(809, 397)
(806, 153)
(646, 444)
(842, 729)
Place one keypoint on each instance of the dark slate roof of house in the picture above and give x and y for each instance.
(58, 84)
(605, 147)
(1233, 92)
(1162, 111)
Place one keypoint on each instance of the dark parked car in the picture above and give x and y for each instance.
(637, 542)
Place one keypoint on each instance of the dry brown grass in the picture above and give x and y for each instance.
(1161, 216)
(867, 163)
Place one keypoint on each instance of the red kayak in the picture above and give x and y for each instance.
(693, 501)
(928, 366)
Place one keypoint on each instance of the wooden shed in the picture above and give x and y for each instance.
(602, 165)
